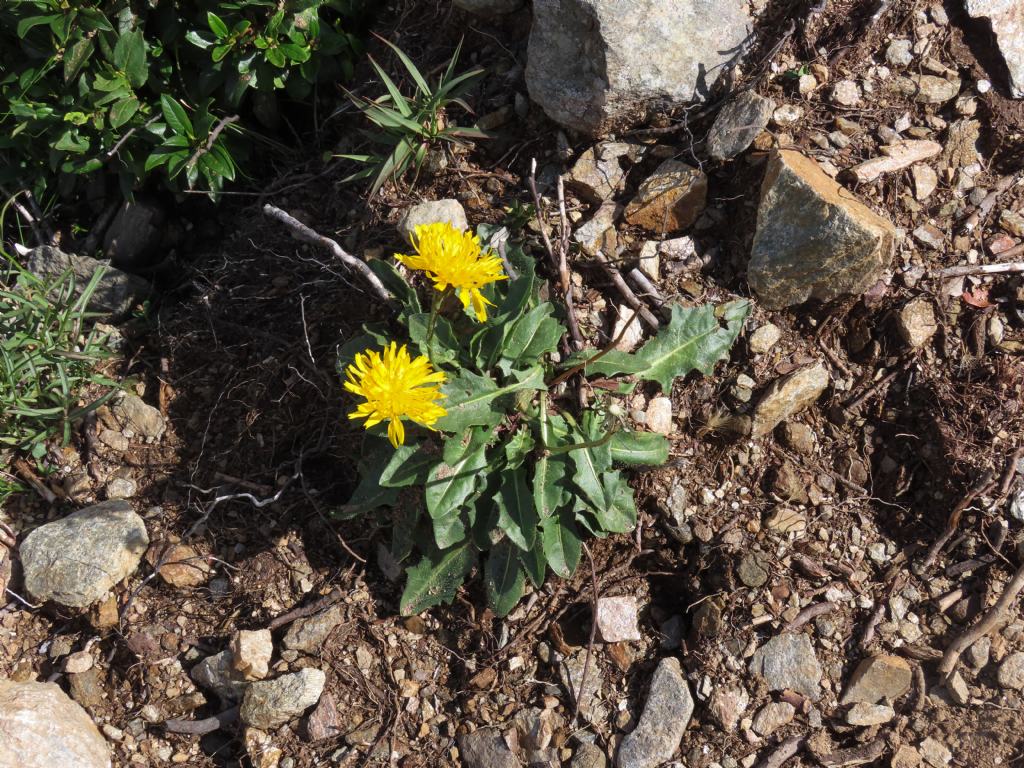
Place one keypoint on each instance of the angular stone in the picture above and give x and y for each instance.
(752, 570)
(215, 673)
(181, 565)
(617, 619)
(430, 212)
(582, 689)
(895, 157)
(598, 234)
(764, 338)
(598, 173)
(261, 749)
(899, 53)
(925, 181)
(1007, 19)
(935, 753)
(485, 748)
(141, 419)
(905, 757)
(324, 722)
(916, 322)
(116, 292)
(813, 239)
(862, 714)
(773, 716)
(738, 124)
(879, 678)
(270, 703)
(788, 395)
(666, 714)
(727, 705)
(928, 89)
(76, 561)
(308, 635)
(250, 653)
(670, 199)
(788, 661)
(1012, 222)
(846, 93)
(40, 727)
(1011, 672)
(601, 65)
(588, 756)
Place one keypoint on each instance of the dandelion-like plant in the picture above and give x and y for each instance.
(396, 387)
(454, 260)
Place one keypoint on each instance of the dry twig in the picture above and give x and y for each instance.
(782, 753)
(984, 269)
(627, 292)
(578, 697)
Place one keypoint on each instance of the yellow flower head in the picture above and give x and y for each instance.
(396, 387)
(453, 258)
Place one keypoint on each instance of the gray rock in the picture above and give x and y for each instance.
(899, 53)
(583, 690)
(431, 212)
(75, 561)
(598, 173)
(216, 673)
(788, 661)
(879, 678)
(935, 753)
(666, 714)
(485, 748)
(764, 338)
(787, 395)
(308, 635)
(598, 234)
(489, 7)
(1011, 672)
(135, 239)
(600, 65)
(40, 727)
(138, 418)
(738, 124)
(916, 322)
(617, 619)
(862, 714)
(799, 437)
(269, 703)
(772, 716)
(1007, 19)
(116, 292)
(752, 570)
(813, 239)
(670, 199)
(928, 89)
(588, 756)
(978, 654)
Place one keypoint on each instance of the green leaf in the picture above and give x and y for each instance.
(618, 513)
(296, 53)
(516, 515)
(369, 493)
(409, 466)
(639, 448)
(76, 55)
(396, 284)
(435, 579)
(450, 486)
(518, 447)
(130, 57)
(216, 24)
(534, 562)
(449, 530)
(176, 116)
(549, 491)
(444, 345)
(123, 111)
(591, 462)
(471, 398)
(503, 578)
(34, 21)
(197, 39)
(534, 335)
(562, 543)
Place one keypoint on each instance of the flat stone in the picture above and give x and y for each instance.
(40, 727)
(216, 673)
(895, 157)
(88, 689)
(181, 565)
(752, 570)
(788, 661)
(862, 714)
(961, 150)
(930, 235)
(786, 520)
(485, 748)
(598, 234)
(1012, 222)
(116, 292)
(738, 123)
(727, 705)
(773, 716)
(788, 395)
(957, 688)
(799, 437)
(906, 757)
(617, 619)
(141, 419)
(251, 651)
(628, 329)
(916, 322)
(309, 635)
(787, 114)
(659, 415)
(979, 653)
(78, 662)
(666, 714)
(928, 89)
(324, 721)
(588, 756)
(876, 679)
(120, 488)
(583, 690)
(1011, 672)
(603, 65)
(77, 560)
(1007, 19)
(764, 338)
(935, 753)
(267, 704)
(813, 239)
(925, 181)
(431, 212)
(598, 173)
(670, 199)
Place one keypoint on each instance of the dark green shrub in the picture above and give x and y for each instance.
(133, 87)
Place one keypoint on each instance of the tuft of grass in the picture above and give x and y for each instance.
(408, 126)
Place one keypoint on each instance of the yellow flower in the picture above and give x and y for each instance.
(395, 387)
(453, 258)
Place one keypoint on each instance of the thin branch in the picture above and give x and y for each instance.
(627, 292)
(984, 269)
(785, 750)
(306, 234)
(128, 134)
(223, 123)
(593, 634)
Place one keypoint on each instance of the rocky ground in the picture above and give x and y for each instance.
(825, 573)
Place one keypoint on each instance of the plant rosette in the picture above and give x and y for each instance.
(468, 443)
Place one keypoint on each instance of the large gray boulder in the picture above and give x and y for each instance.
(601, 65)
(40, 727)
(814, 239)
(115, 292)
(76, 560)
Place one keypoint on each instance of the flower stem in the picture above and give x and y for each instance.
(435, 308)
